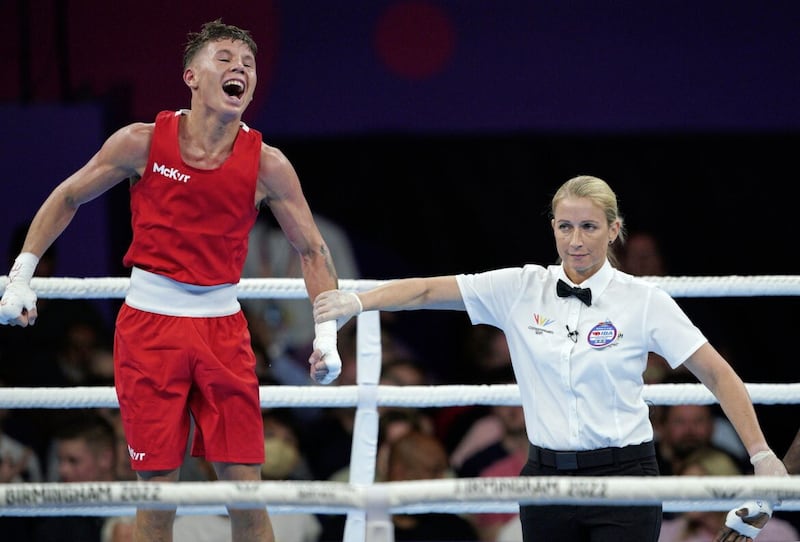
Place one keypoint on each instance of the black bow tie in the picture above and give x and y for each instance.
(565, 290)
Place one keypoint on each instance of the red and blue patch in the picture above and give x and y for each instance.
(603, 334)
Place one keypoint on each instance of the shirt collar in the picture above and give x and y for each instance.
(597, 282)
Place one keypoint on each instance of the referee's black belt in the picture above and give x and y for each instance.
(590, 458)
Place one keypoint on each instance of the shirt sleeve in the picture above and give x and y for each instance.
(672, 333)
(489, 296)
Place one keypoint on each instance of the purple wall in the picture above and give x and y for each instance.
(40, 147)
(436, 66)
(578, 66)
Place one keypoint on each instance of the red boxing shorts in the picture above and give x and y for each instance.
(168, 368)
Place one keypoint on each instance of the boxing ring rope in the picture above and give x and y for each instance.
(418, 496)
(681, 286)
(368, 504)
(394, 396)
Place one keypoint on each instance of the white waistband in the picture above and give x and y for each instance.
(161, 295)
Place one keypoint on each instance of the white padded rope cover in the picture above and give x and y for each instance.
(450, 495)
(367, 504)
(397, 396)
(272, 288)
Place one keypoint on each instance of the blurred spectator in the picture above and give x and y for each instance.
(34, 356)
(420, 456)
(327, 436)
(283, 462)
(403, 371)
(490, 526)
(393, 425)
(284, 459)
(467, 429)
(18, 464)
(693, 526)
(504, 457)
(394, 346)
(285, 327)
(681, 429)
(122, 470)
(641, 255)
(685, 429)
(186, 528)
(327, 439)
(394, 422)
(406, 371)
(498, 433)
(84, 356)
(702, 526)
(85, 446)
(28, 355)
(512, 440)
(118, 529)
(487, 355)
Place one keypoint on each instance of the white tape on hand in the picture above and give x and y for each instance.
(18, 295)
(17, 298)
(325, 342)
(23, 268)
(754, 508)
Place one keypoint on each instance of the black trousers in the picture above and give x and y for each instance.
(576, 523)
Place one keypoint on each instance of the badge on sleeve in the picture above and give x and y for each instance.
(603, 334)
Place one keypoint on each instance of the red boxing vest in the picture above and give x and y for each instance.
(190, 224)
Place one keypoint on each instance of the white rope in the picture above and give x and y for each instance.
(275, 288)
(457, 495)
(336, 497)
(730, 286)
(611, 490)
(396, 396)
(117, 287)
(366, 504)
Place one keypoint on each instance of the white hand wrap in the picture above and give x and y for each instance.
(18, 295)
(733, 521)
(766, 463)
(24, 267)
(325, 342)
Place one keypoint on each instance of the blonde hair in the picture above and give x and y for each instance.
(601, 194)
(713, 462)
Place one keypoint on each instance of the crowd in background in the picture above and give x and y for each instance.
(70, 345)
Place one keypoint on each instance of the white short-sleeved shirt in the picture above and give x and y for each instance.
(581, 391)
